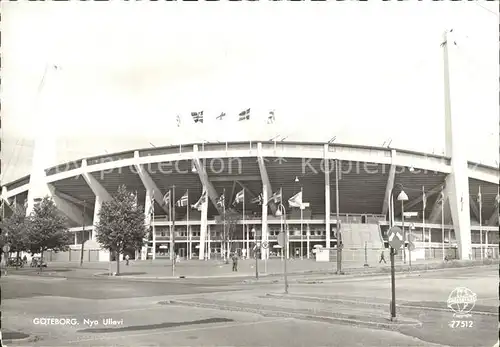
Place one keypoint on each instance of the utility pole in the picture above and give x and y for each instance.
(83, 233)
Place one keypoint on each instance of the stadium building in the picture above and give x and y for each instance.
(452, 203)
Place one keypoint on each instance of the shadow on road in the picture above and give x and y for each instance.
(155, 326)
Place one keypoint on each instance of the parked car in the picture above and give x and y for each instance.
(15, 262)
(35, 262)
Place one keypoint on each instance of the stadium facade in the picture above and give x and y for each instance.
(452, 203)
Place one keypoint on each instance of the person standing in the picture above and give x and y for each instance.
(382, 258)
(235, 262)
(127, 259)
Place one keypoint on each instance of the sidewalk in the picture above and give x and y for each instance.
(162, 269)
(279, 305)
(273, 267)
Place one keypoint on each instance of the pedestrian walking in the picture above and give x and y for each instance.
(127, 259)
(382, 258)
(235, 262)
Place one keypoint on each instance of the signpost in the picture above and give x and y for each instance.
(395, 235)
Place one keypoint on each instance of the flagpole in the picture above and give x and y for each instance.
(442, 223)
(153, 225)
(244, 225)
(173, 230)
(170, 220)
(224, 223)
(187, 226)
(480, 222)
(424, 205)
(301, 225)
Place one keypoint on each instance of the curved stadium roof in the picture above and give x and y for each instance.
(362, 183)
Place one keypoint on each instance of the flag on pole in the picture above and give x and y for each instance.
(221, 116)
(244, 115)
(239, 197)
(424, 198)
(183, 201)
(152, 207)
(166, 199)
(497, 200)
(441, 197)
(479, 200)
(257, 200)
(200, 202)
(271, 117)
(197, 116)
(296, 200)
(276, 197)
(221, 201)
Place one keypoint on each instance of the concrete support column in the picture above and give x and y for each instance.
(457, 182)
(97, 208)
(148, 223)
(203, 229)
(457, 189)
(327, 197)
(265, 198)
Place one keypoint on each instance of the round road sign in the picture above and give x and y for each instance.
(265, 244)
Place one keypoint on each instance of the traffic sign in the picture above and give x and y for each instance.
(265, 244)
(6, 248)
(281, 239)
(395, 235)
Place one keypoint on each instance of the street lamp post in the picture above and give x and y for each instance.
(282, 213)
(256, 253)
(301, 222)
(401, 197)
(339, 231)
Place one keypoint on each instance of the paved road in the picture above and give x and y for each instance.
(145, 322)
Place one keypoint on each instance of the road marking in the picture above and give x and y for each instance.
(163, 331)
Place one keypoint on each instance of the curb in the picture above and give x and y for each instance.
(284, 314)
(400, 274)
(36, 278)
(371, 304)
(180, 277)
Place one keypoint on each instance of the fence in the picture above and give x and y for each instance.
(72, 255)
(359, 256)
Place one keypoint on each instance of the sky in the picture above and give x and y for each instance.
(363, 72)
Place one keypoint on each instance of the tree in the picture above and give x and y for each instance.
(228, 224)
(121, 224)
(47, 229)
(15, 231)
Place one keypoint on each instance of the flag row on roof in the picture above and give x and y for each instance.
(244, 115)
